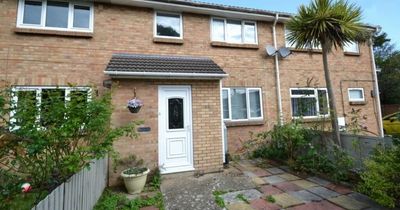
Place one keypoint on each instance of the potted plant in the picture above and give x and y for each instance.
(134, 105)
(135, 179)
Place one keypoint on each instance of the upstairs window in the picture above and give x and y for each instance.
(309, 102)
(55, 15)
(233, 31)
(351, 47)
(168, 25)
(241, 103)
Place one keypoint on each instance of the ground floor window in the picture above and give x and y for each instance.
(309, 102)
(41, 101)
(242, 103)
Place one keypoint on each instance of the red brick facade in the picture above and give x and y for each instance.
(28, 58)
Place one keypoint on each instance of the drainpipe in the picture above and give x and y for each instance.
(278, 80)
(376, 91)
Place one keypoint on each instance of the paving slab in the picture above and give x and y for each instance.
(275, 170)
(289, 177)
(323, 205)
(323, 192)
(249, 174)
(339, 188)
(185, 191)
(239, 206)
(348, 202)
(270, 190)
(304, 183)
(261, 204)
(364, 199)
(231, 197)
(285, 200)
(258, 181)
(288, 186)
(305, 196)
(261, 172)
(273, 179)
(285, 168)
(319, 181)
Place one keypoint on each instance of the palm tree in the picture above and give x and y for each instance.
(327, 24)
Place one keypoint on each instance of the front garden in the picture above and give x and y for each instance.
(310, 150)
(48, 135)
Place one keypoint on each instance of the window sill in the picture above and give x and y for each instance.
(351, 53)
(243, 123)
(314, 119)
(53, 32)
(357, 102)
(305, 50)
(167, 40)
(233, 45)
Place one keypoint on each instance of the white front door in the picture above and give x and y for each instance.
(175, 129)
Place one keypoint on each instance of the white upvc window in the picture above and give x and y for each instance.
(57, 15)
(356, 94)
(351, 47)
(241, 104)
(41, 95)
(309, 102)
(233, 31)
(168, 25)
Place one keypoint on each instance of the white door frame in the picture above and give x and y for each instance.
(162, 128)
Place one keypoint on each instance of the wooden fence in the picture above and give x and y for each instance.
(80, 192)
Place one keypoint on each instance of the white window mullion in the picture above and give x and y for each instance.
(70, 15)
(248, 103)
(226, 31)
(43, 17)
(316, 96)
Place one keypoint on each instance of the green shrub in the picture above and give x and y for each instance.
(381, 178)
(45, 144)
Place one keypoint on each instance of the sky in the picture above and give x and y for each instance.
(375, 12)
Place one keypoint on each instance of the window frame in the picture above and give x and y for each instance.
(355, 99)
(38, 92)
(42, 25)
(249, 118)
(243, 22)
(169, 13)
(315, 96)
(349, 51)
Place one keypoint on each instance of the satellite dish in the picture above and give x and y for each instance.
(284, 52)
(271, 51)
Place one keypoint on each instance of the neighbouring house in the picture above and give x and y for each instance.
(197, 67)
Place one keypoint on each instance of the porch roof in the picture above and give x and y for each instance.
(163, 67)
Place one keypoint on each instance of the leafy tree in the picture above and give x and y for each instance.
(327, 24)
(388, 60)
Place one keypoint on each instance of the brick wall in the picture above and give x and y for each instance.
(34, 59)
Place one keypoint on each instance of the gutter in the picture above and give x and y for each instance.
(170, 6)
(278, 80)
(163, 75)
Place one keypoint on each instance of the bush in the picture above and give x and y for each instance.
(46, 149)
(381, 178)
(297, 146)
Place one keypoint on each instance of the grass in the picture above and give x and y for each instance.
(241, 197)
(270, 199)
(218, 200)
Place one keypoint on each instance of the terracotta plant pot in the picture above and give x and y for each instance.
(134, 182)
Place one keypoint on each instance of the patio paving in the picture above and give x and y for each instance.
(263, 187)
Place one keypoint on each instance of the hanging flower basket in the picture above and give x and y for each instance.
(134, 105)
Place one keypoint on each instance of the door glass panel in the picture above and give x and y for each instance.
(175, 113)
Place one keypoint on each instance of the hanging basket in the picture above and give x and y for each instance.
(134, 105)
(134, 109)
